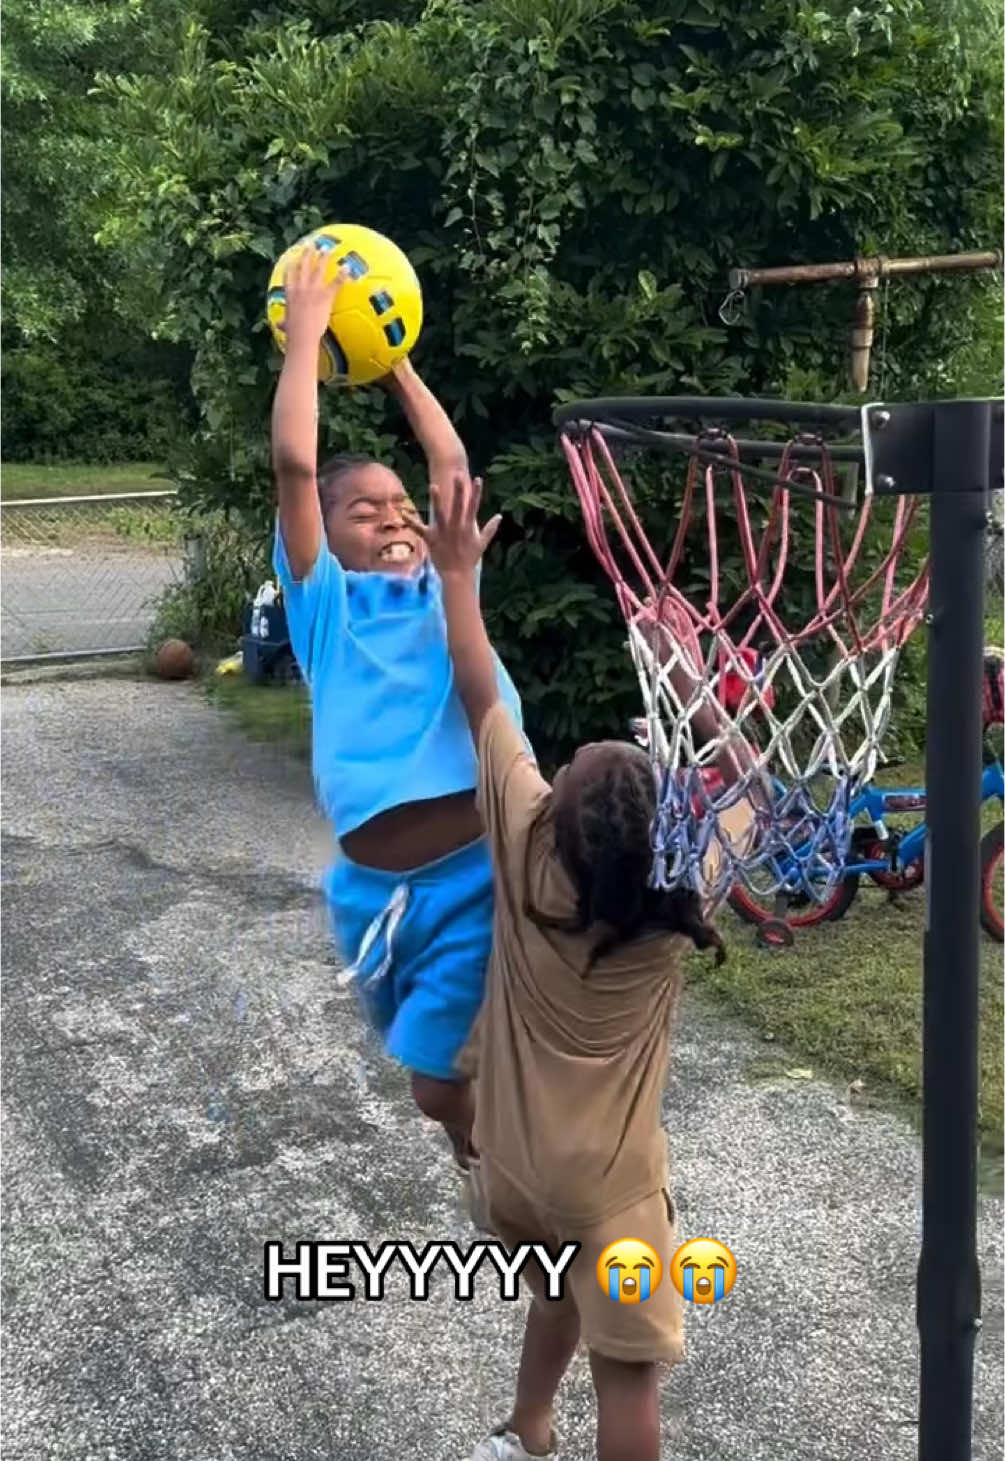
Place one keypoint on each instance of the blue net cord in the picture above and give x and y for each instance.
(784, 821)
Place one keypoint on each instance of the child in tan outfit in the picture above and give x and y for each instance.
(573, 1037)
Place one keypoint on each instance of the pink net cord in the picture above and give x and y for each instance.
(741, 657)
(899, 613)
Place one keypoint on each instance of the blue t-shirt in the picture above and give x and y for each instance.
(388, 724)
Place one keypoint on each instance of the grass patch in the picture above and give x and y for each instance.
(266, 713)
(846, 1000)
(156, 526)
(19, 480)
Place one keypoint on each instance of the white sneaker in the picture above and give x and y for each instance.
(503, 1445)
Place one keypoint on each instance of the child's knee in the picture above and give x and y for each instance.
(444, 1101)
(624, 1379)
(557, 1313)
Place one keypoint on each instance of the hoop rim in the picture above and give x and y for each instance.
(652, 411)
(709, 449)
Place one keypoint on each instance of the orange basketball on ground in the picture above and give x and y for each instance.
(174, 660)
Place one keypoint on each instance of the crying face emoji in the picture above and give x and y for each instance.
(629, 1271)
(703, 1270)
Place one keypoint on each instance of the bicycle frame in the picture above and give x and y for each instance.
(877, 803)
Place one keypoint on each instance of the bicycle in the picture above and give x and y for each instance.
(893, 859)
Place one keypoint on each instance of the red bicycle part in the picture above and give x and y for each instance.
(798, 911)
(867, 846)
(775, 933)
(905, 801)
(734, 689)
(992, 855)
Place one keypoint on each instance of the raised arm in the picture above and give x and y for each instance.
(456, 545)
(310, 294)
(431, 426)
(709, 721)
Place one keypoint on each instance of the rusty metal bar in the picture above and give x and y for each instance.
(866, 274)
(867, 270)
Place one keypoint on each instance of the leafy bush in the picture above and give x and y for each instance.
(228, 560)
(573, 180)
(76, 383)
(92, 396)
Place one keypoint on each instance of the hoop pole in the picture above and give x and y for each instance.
(948, 1291)
(864, 270)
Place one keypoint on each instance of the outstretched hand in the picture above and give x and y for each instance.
(311, 292)
(456, 543)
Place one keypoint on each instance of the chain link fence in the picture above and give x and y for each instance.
(81, 576)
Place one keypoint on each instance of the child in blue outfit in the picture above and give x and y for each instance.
(394, 763)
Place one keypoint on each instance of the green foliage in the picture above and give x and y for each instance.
(573, 180)
(266, 713)
(58, 183)
(228, 559)
(75, 381)
(93, 395)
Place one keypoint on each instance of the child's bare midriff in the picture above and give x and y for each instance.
(415, 833)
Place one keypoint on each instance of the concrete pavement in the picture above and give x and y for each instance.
(183, 1080)
(79, 598)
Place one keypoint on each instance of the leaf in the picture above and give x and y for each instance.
(800, 1073)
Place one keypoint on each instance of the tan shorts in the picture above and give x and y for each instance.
(649, 1331)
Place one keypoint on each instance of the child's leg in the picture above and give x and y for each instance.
(549, 1344)
(443, 983)
(629, 1342)
(552, 1331)
(628, 1409)
(451, 1103)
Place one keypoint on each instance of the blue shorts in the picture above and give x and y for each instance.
(416, 945)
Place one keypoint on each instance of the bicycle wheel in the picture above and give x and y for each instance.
(868, 847)
(992, 871)
(798, 910)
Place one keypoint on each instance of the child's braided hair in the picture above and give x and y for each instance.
(603, 839)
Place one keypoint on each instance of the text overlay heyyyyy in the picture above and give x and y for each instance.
(343, 1271)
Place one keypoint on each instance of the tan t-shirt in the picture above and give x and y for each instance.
(571, 1061)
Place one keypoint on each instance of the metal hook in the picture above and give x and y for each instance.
(731, 308)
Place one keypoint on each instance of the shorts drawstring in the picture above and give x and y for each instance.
(391, 916)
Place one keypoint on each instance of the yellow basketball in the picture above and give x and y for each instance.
(377, 315)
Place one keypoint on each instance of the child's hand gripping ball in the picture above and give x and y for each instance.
(375, 314)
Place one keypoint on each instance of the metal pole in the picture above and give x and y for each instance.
(948, 1294)
(866, 273)
(865, 269)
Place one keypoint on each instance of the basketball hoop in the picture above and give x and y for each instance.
(753, 697)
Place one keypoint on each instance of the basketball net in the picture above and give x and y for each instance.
(745, 709)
